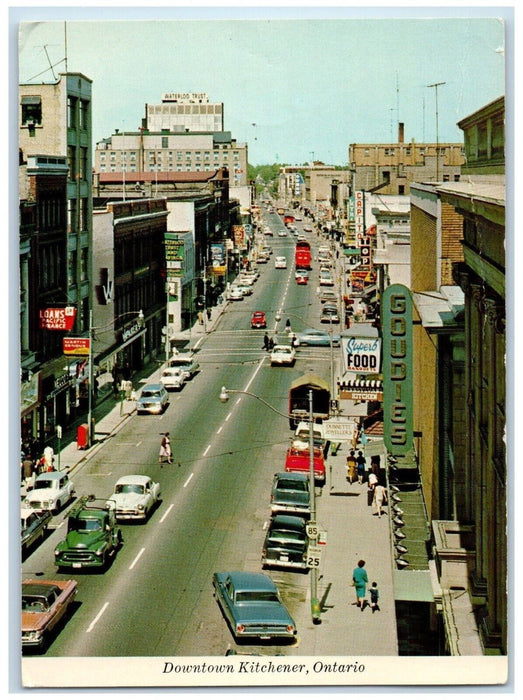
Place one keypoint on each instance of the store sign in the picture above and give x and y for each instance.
(76, 346)
(362, 355)
(397, 369)
(338, 430)
(174, 255)
(239, 237)
(61, 319)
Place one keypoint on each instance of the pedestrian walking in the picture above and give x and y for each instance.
(165, 449)
(374, 596)
(372, 481)
(375, 466)
(359, 581)
(200, 318)
(28, 471)
(209, 314)
(352, 466)
(288, 325)
(265, 342)
(361, 462)
(380, 497)
(271, 344)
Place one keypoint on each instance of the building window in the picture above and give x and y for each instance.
(102, 157)
(71, 161)
(165, 142)
(83, 114)
(113, 155)
(72, 103)
(83, 163)
(457, 178)
(187, 155)
(84, 264)
(71, 269)
(132, 155)
(83, 210)
(31, 110)
(207, 155)
(102, 168)
(178, 155)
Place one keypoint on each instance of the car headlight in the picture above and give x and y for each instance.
(56, 552)
(99, 551)
(35, 635)
(141, 506)
(51, 501)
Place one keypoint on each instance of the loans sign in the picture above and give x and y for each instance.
(397, 369)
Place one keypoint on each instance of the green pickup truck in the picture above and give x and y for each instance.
(93, 536)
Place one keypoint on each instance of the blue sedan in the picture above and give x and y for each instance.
(313, 336)
(252, 606)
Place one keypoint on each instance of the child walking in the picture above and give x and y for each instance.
(374, 596)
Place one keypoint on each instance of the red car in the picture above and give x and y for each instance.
(258, 320)
(298, 460)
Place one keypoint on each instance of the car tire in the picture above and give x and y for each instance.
(56, 509)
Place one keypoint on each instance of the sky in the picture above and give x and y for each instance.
(298, 84)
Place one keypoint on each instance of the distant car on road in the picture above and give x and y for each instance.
(330, 314)
(326, 294)
(52, 491)
(290, 493)
(252, 606)
(44, 604)
(280, 262)
(134, 497)
(307, 228)
(326, 279)
(173, 378)
(34, 526)
(282, 233)
(313, 336)
(258, 320)
(235, 294)
(153, 399)
(283, 355)
(301, 275)
(285, 543)
(187, 362)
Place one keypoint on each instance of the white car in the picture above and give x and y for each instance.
(280, 262)
(173, 378)
(235, 294)
(246, 289)
(283, 355)
(52, 491)
(326, 278)
(282, 233)
(187, 362)
(245, 281)
(134, 497)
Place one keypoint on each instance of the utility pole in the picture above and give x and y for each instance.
(436, 86)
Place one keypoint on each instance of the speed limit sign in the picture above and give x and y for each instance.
(314, 557)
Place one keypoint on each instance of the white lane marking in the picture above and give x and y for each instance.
(93, 623)
(167, 512)
(228, 416)
(187, 482)
(238, 400)
(219, 430)
(142, 550)
(207, 450)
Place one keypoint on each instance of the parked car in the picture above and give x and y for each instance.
(283, 355)
(307, 228)
(187, 362)
(280, 262)
(301, 434)
(252, 606)
(153, 399)
(282, 233)
(245, 289)
(258, 320)
(52, 491)
(134, 497)
(297, 459)
(33, 525)
(290, 493)
(234, 294)
(44, 604)
(313, 336)
(285, 543)
(262, 258)
(245, 280)
(326, 279)
(326, 294)
(267, 232)
(173, 378)
(330, 314)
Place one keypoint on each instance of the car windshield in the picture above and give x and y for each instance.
(35, 604)
(45, 484)
(84, 524)
(256, 597)
(150, 394)
(282, 350)
(290, 537)
(292, 485)
(129, 488)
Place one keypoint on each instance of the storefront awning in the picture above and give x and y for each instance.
(414, 586)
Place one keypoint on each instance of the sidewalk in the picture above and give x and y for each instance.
(353, 533)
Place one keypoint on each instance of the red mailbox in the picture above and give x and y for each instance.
(82, 436)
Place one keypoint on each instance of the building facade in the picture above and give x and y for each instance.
(471, 546)
(390, 168)
(184, 111)
(172, 152)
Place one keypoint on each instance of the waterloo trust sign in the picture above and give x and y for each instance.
(397, 369)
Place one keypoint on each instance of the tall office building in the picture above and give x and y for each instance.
(184, 111)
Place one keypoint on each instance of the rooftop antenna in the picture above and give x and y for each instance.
(436, 85)
(65, 44)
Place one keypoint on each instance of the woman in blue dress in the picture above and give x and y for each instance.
(360, 580)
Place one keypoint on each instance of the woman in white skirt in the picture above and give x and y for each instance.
(165, 449)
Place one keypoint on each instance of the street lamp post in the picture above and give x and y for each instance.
(90, 374)
(224, 397)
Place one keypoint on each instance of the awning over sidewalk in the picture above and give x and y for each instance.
(414, 586)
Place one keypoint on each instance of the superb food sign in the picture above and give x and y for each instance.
(397, 369)
(362, 355)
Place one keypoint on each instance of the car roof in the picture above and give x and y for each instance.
(292, 475)
(54, 476)
(153, 387)
(281, 347)
(133, 479)
(289, 520)
(250, 580)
